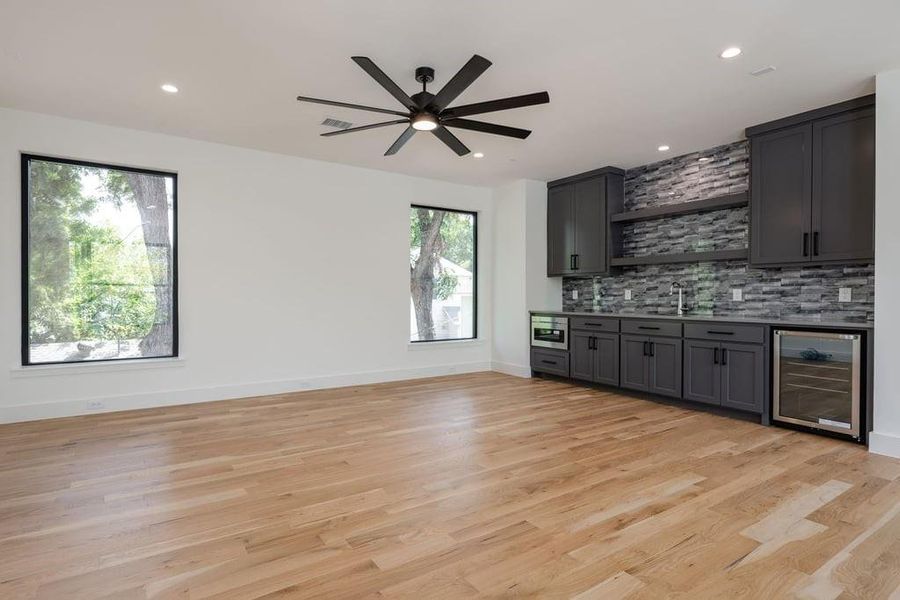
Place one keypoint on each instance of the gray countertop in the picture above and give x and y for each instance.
(777, 321)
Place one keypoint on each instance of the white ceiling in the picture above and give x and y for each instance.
(623, 77)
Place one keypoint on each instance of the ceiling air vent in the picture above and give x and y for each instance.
(762, 71)
(329, 122)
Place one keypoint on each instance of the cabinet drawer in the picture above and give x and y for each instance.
(548, 361)
(649, 327)
(594, 324)
(726, 332)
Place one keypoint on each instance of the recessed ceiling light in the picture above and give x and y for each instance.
(478, 155)
(169, 88)
(703, 159)
(730, 52)
(663, 148)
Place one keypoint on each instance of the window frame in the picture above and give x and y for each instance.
(474, 215)
(26, 159)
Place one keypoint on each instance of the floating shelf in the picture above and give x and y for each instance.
(687, 257)
(684, 208)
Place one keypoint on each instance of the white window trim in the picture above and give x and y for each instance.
(109, 366)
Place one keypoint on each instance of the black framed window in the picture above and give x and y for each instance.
(443, 283)
(99, 262)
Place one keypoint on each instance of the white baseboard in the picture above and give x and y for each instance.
(511, 369)
(887, 444)
(71, 408)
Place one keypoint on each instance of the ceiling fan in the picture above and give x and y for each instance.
(431, 112)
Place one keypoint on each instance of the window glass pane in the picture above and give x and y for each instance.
(100, 280)
(442, 274)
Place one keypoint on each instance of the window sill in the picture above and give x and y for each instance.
(97, 367)
(446, 344)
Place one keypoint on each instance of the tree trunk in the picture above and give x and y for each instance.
(422, 270)
(153, 205)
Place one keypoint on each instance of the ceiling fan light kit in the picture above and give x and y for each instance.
(431, 112)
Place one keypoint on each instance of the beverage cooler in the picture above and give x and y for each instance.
(816, 381)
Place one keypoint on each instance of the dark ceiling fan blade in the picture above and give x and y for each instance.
(487, 128)
(451, 140)
(404, 137)
(463, 79)
(495, 105)
(386, 82)
(355, 106)
(364, 127)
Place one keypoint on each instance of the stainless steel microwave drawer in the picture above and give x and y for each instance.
(650, 327)
(726, 332)
(606, 324)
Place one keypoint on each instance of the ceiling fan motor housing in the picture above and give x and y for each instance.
(424, 74)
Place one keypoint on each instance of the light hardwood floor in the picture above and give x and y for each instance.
(478, 485)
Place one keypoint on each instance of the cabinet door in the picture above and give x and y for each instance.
(560, 229)
(606, 358)
(635, 363)
(702, 377)
(742, 377)
(665, 366)
(781, 196)
(590, 226)
(581, 356)
(843, 188)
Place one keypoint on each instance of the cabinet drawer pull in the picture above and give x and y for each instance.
(594, 325)
(714, 332)
(648, 327)
(549, 362)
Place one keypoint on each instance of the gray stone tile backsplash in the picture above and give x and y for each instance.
(773, 292)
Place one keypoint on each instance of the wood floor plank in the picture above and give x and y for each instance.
(467, 486)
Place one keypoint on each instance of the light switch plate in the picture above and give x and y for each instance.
(574, 294)
(737, 294)
(628, 294)
(845, 295)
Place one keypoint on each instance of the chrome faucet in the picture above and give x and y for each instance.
(677, 285)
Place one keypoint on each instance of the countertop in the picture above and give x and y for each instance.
(776, 321)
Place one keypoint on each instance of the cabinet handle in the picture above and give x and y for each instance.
(648, 327)
(815, 243)
(592, 343)
(572, 262)
(805, 244)
(549, 362)
(576, 261)
(714, 332)
(652, 351)
(715, 356)
(594, 325)
(645, 349)
(724, 356)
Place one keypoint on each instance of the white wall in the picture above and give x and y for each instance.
(885, 438)
(293, 273)
(520, 271)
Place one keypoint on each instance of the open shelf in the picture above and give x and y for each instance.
(684, 208)
(686, 257)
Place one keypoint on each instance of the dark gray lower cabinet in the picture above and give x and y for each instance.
(724, 374)
(651, 364)
(547, 360)
(595, 357)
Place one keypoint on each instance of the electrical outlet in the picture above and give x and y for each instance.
(628, 294)
(96, 405)
(737, 294)
(845, 295)
(574, 294)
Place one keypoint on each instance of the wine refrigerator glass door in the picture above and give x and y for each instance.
(816, 380)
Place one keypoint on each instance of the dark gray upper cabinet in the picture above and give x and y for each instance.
(781, 184)
(578, 210)
(813, 186)
(843, 210)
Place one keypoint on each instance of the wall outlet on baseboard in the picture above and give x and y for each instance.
(628, 294)
(96, 405)
(845, 295)
(737, 294)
